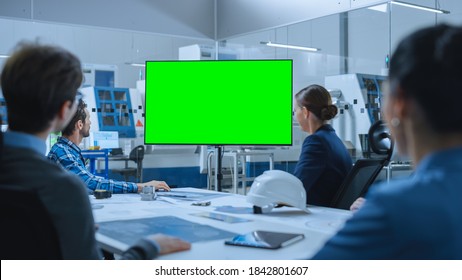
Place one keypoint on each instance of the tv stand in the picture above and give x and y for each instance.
(238, 158)
(218, 171)
(241, 178)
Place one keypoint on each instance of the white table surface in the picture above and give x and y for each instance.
(317, 226)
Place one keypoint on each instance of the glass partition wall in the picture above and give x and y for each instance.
(350, 57)
(357, 41)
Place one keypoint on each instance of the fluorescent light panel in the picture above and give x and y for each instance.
(4, 56)
(424, 8)
(270, 44)
(137, 64)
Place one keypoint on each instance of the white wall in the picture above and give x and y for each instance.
(97, 45)
(172, 17)
(99, 32)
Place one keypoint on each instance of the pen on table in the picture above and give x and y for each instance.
(172, 195)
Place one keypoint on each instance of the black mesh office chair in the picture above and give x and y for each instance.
(137, 156)
(27, 230)
(365, 171)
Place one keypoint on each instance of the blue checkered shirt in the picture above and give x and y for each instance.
(69, 156)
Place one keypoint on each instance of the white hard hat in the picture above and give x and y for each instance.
(277, 187)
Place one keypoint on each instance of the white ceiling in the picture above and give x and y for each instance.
(212, 19)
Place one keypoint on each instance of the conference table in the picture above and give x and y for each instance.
(125, 217)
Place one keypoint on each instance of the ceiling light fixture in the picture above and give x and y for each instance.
(275, 45)
(136, 64)
(4, 56)
(424, 8)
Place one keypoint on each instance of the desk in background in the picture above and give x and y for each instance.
(93, 155)
(318, 226)
(97, 156)
(126, 159)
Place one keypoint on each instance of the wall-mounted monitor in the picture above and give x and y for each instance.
(231, 102)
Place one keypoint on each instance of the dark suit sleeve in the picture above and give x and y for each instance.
(144, 249)
(312, 161)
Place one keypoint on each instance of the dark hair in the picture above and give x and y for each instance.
(80, 115)
(428, 67)
(36, 80)
(317, 100)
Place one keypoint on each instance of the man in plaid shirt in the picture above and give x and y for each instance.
(67, 153)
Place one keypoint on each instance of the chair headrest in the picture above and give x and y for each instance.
(137, 153)
(380, 139)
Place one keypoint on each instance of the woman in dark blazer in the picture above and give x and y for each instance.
(324, 160)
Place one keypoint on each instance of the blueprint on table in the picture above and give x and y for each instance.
(128, 231)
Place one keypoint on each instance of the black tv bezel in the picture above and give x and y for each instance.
(219, 144)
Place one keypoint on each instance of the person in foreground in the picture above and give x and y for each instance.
(39, 84)
(417, 217)
(67, 153)
(324, 160)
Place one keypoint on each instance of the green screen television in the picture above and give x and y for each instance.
(230, 102)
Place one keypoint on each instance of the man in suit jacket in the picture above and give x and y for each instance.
(39, 84)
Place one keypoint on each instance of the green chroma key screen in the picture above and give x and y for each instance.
(235, 102)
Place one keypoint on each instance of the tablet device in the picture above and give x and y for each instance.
(265, 239)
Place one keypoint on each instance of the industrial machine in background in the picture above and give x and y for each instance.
(207, 52)
(358, 98)
(121, 110)
(116, 109)
(100, 75)
(112, 109)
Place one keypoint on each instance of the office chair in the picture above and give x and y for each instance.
(136, 155)
(27, 230)
(365, 171)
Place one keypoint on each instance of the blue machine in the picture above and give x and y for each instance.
(114, 109)
(371, 86)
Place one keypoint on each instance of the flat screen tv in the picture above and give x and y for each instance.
(231, 102)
